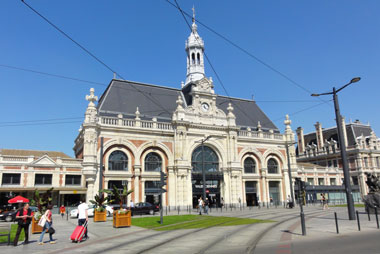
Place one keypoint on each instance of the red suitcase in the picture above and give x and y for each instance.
(78, 233)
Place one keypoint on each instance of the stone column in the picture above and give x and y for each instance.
(136, 184)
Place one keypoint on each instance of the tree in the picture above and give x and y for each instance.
(121, 198)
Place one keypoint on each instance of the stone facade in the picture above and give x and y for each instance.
(23, 171)
(196, 114)
(322, 149)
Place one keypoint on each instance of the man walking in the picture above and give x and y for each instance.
(24, 217)
(206, 204)
(83, 217)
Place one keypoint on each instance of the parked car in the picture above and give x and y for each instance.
(90, 212)
(145, 208)
(8, 216)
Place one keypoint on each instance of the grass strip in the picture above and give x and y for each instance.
(345, 205)
(176, 222)
(4, 239)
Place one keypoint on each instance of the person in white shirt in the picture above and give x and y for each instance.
(83, 216)
(131, 204)
(200, 205)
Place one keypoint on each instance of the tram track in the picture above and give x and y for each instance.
(176, 237)
(253, 244)
(167, 241)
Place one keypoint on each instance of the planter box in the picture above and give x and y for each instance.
(121, 220)
(100, 216)
(35, 228)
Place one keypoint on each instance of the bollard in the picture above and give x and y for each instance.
(169, 209)
(67, 215)
(336, 223)
(369, 216)
(357, 216)
(377, 219)
(166, 210)
(178, 210)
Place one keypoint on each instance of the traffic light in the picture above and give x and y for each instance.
(164, 177)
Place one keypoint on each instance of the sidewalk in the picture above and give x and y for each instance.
(103, 237)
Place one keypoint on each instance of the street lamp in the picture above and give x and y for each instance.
(350, 202)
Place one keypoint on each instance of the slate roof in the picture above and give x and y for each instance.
(17, 152)
(353, 130)
(123, 97)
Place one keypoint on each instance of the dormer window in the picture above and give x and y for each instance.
(193, 58)
(198, 58)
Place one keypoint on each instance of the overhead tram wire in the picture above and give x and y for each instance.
(91, 54)
(245, 51)
(97, 59)
(37, 124)
(52, 75)
(124, 88)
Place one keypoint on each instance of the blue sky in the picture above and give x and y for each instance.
(318, 44)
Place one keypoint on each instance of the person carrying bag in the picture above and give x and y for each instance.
(48, 226)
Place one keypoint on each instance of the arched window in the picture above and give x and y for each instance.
(118, 161)
(153, 162)
(193, 58)
(198, 58)
(208, 158)
(272, 166)
(249, 166)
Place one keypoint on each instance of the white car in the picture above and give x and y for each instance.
(91, 209)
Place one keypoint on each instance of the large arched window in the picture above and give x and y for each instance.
(118, 161)
(153, 162)
(249, 166)
(208, 158)
(272, 166)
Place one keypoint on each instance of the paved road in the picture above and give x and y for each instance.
(282, 236)
(356, 243)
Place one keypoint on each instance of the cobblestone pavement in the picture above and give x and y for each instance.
(281, 235)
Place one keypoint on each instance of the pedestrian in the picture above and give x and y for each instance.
(48, 224)
(324, 202)
(222, 202)
(206, 205)
(131, 204)
(289, 202)
(200, 205)
(271, 201)
(23, 217)
(62, 210)
(83, 217)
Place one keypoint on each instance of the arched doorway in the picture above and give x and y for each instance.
(205, 158)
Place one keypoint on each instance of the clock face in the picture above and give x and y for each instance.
(205, 107)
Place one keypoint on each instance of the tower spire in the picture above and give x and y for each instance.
(194, 50)
(193, 14)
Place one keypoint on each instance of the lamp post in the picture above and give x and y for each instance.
(347, 184)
